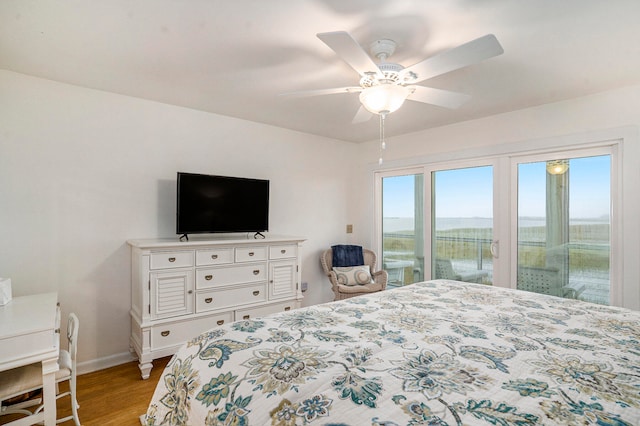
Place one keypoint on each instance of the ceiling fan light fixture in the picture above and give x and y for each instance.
(384, 98)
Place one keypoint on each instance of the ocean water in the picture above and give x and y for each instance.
(395, 224)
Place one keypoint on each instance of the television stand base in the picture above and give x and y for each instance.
(258, 235)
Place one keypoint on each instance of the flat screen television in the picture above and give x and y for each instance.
(213, 204)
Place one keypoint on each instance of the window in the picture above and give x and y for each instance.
(403, 228)
(564, 227)
(462, 224)
(545, 225)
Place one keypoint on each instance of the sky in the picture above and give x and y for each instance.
(468, 192)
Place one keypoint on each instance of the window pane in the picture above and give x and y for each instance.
(402, 229)
(463, 224)
(564, 227)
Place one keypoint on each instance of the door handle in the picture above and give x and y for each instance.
(494, 247)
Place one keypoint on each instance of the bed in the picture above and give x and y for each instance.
(438, 352)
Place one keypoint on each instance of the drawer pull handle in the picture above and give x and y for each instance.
(246, 317)
(208, 300)
(214, 256)
(165, 333)
(220, 322)
(283, 251)
(287, 308)
(256, 271)
(57, 331)
(208, 277)
(257, 292)
(190, 292)
(172, 259)
(251, 253)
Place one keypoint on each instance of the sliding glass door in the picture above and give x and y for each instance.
(537, 222)
(462, 224)
(403, 228)
(564, 227)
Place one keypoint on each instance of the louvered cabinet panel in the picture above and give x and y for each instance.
(282, 279)
(171, 293)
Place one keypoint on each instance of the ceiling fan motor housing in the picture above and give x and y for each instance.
(382, 49)
(390, 72)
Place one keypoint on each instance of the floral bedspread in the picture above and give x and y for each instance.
(434, 353)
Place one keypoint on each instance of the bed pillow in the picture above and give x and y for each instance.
(353, 275)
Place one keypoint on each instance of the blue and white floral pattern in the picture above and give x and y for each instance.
(433, 353)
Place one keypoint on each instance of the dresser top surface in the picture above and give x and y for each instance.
(215, 240)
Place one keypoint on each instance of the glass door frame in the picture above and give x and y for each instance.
(378, 238)
(505, 162)
(497, 200)
(616, 258)
(499, 204)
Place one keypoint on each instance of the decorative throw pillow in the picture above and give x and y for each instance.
(353, 275)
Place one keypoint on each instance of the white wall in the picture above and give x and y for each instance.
(82, 171)
(587, 119)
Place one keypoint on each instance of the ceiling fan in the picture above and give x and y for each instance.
(384, 86)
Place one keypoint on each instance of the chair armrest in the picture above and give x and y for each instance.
(381, 277)
(573, 293)
(334, 280)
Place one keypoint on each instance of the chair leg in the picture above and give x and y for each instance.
(74, 401)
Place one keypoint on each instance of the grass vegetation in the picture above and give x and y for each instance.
(588, 249)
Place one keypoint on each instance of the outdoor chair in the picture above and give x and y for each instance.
(545, 281)
(444, 270)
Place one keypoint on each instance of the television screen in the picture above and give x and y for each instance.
(208, 204)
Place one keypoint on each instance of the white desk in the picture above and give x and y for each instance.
(30, 333)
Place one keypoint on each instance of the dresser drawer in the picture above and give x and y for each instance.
(283, 251)
(261, 311)
(165, 335)
(171, 259)
(230, 296)
(214, 256)
(225, 275)
(251, 254)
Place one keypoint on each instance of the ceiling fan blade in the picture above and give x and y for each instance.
(350, 51)
(319, 92)
(439, 97)
(458, 57)
(361, 116)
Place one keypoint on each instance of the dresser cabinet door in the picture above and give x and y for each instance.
(282, 279)
(171, 293)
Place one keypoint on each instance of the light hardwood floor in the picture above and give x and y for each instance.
(115, 396)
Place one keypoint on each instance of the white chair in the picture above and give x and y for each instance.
(545, 281)
(444, 270)
(19, 381)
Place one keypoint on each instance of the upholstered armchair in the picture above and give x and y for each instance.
(341, 291)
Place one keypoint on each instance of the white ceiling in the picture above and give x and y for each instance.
(235, 57)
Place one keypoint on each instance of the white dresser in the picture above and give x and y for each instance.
(181, 289)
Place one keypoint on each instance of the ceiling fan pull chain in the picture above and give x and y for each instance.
(383, 144)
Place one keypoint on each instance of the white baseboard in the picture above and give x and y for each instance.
(106, 362)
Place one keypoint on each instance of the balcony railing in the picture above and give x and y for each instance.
(590, 268)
